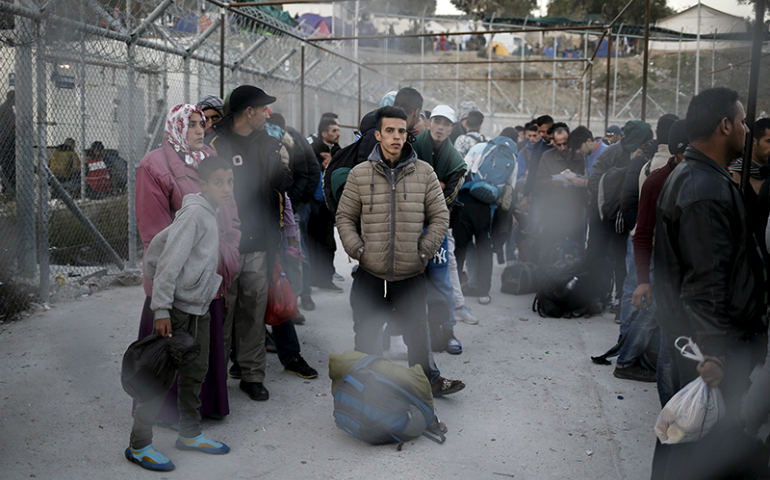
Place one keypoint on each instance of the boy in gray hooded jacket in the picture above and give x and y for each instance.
(181, 263)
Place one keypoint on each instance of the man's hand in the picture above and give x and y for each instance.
(577, 181)
(642, 296)
(327, 157)
(163, 327)
(523, 205)
(711, 371)
(443, 185)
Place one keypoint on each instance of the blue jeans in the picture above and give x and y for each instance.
(286, 342)
(438, 275)
(664, 369)
(303, 212)
(640, 331)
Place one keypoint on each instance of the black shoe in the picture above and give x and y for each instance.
(330, 287)
(299, 367)
(635, 372)
(255, 390)
(270, 344)
(306, 303)
(235, 371)
(298, 319)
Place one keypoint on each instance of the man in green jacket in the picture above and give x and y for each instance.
(389, 199)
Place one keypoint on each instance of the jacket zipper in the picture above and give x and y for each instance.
(393, 173)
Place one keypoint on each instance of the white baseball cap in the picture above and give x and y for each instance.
(444, 111)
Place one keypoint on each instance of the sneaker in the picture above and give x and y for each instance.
(338, 277)
(150, 459)
(330, 287)
(235, 371)
(398, 349)
(635, 372)
(202, 444)
(255, 390)
(299, 367)
(306, 303)
(485, 300)
(464, 313)
(298, 319)
(444, 386)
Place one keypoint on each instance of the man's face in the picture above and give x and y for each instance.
(440, 128)
(533, 136)
(738, 132)
(761, 150)
(522, 135)
(419, 127)
(257, 116)
(212, 117)
(413, 118)
(560, 142)
(391, 136)
(587, 147)
(332, 134)
(218, 190)
(543, 129)
(613, 139)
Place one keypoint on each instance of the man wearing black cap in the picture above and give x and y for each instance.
(261, 178)
(214, 109)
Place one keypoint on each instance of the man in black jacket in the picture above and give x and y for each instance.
(709, 279)
(261, 178)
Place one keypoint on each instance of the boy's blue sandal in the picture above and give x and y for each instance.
(202, 444)
(149, 458)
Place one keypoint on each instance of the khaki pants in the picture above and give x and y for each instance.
(246, 303)
(189, 383)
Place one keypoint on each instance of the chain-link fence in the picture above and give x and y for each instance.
(85, 86)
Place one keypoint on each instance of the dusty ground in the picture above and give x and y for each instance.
(535, 407)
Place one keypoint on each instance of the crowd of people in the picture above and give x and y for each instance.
(423, 201)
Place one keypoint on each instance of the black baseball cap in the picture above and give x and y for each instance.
(677, 138)
(249, 96)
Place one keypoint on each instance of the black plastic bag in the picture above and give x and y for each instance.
(150, 364)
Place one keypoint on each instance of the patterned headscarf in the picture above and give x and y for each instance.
(176, 131)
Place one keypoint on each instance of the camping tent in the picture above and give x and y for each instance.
(711, 20)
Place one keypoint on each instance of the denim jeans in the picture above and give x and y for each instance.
(286, 342)
(438, 275)
(302, 211)
(640, 331)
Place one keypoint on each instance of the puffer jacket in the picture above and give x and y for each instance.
(709, 275)
(391, 206)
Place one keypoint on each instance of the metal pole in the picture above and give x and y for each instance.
(607, 84)
(678, 70)
(302, 93)
(713, 56)
(222, 28)
(25, 134)
(615, 84)
(553, 89)
(583, 104)
(187, 80)
(751, 104)
(355, 33)
(359, 94)
(489, 67)
(697, 57)
(43, 255)
(83, 165)
(422, 54)
(457, 77)
(646, 61)
(521, 85)
(590, 88)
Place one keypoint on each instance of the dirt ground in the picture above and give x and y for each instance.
(535, 407)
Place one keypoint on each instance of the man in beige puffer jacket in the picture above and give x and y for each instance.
(392, 218)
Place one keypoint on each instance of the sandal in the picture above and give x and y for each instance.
(150, 459)
(444, 386)
(202, 444)
(453, 346)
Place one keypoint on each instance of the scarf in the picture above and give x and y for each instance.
(447, 161)
(176, 132)
(757, 171)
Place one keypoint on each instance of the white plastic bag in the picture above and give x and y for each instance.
(691, 413)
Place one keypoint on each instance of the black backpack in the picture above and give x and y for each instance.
(610, 192)
(563, 291)
(345, 159)
(519, 279)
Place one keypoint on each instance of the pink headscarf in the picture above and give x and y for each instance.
(176, 131)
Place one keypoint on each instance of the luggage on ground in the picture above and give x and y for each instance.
(519, 279)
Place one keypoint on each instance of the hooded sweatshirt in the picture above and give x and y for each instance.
(184, 275)
(447, 162)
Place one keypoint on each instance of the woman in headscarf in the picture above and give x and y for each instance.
(163, 178)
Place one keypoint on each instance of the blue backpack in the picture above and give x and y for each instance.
(373, 409)
(498, 163)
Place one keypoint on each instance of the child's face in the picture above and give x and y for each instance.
(218, 190)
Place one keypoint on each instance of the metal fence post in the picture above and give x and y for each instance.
(132, 160)
(25, 166)
(42, 157)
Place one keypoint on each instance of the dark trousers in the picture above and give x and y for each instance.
(190, 380)
(606, 257)
(475, 223)
(404, 303)
(321, 243)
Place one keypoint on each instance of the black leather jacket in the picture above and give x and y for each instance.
(709, 279)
